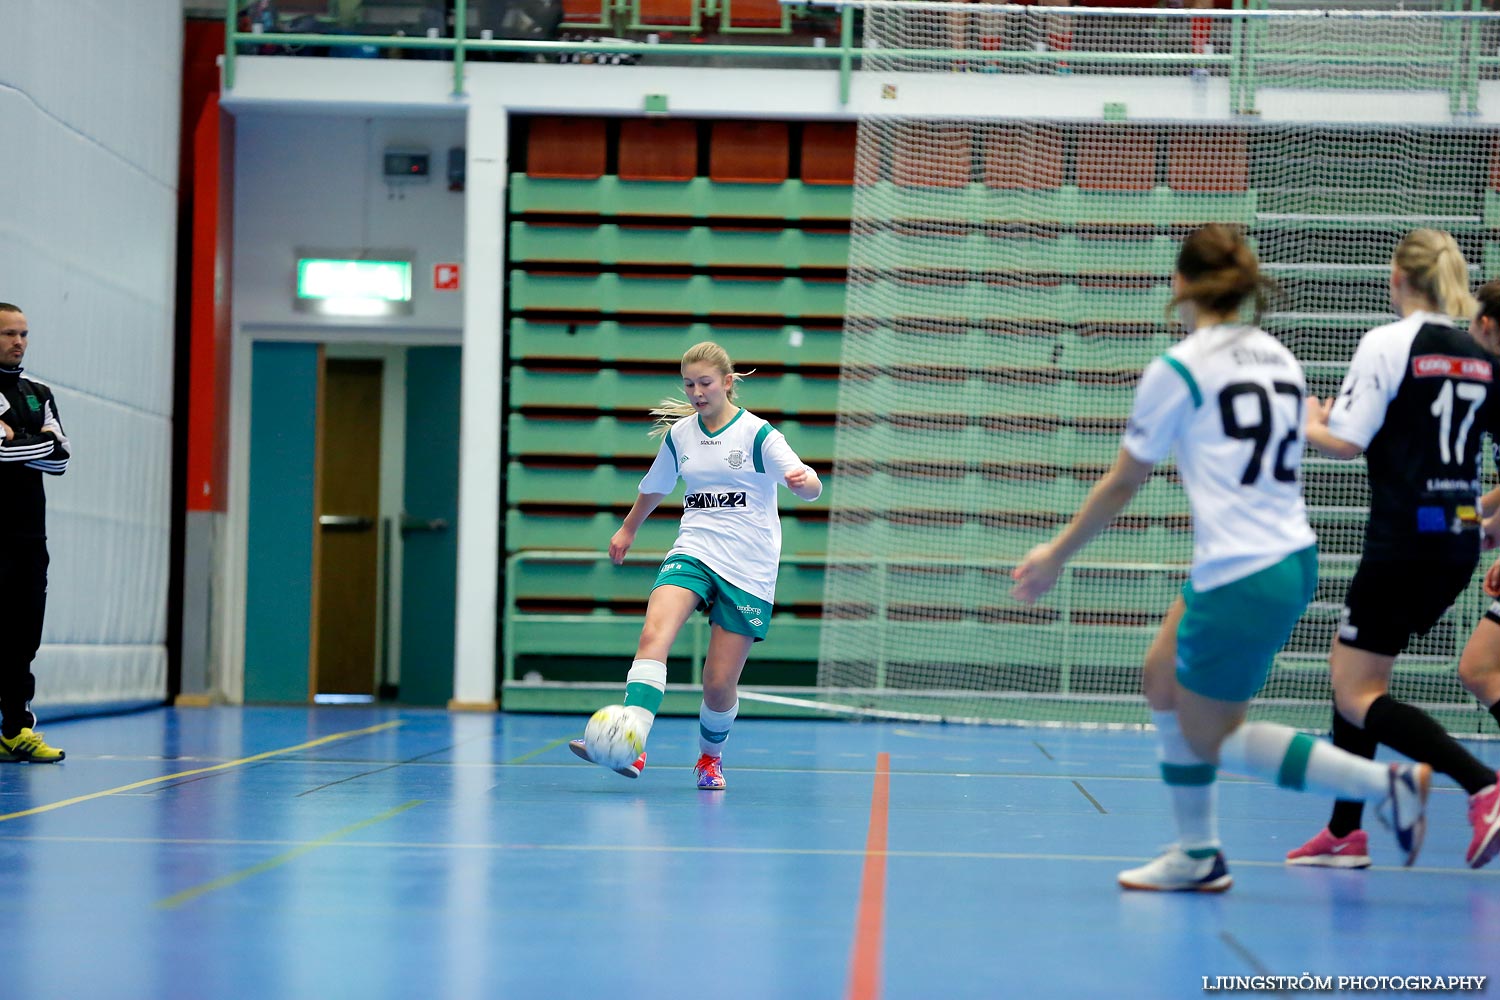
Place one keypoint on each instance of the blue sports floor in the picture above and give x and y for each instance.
(275, 853)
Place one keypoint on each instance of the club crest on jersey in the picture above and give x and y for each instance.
(1444, 366)
(706, 501)
(735, 458)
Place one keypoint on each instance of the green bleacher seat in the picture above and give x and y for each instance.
(573, 635)
(697, 295)
(1106, 645)
(1068, 205)
(604, 437)
(1112, 353)
(610, 341)
(610, 390)
(607, 437)
(696, 246)
(562, 486)
(582, 532)
(605, 485)
(587, 531)
(605, 389)
(699, 198)
(1023, 444)
(1105, 590)
(906, 441)
(1160, 497)
(600, 581)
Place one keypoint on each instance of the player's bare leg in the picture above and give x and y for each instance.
(727, 652)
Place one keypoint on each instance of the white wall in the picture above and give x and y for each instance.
(89, 98)
(315, 181)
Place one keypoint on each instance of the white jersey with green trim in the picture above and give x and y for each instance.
(729, 516)
(1229, 401)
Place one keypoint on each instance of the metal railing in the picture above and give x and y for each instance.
(1257, 56)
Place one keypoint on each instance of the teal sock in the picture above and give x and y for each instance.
(713, 728)
(646, 685)
(1297, 761)
(1191, 781)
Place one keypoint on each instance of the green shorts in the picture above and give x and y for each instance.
(729, 607)
(1230, 635)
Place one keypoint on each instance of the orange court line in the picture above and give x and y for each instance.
(331, 738)
(864, 966)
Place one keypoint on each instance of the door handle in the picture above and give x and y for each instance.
(412, 525)
(346, 522)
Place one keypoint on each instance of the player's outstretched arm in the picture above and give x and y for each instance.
(1320, 437)
(623, 539)
(805, 483)
(1040, 569)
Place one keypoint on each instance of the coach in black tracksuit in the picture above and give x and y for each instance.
(34, 443)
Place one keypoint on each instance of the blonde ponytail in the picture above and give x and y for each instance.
(1435, 267)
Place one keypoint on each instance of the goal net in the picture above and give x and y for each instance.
(1008, 281)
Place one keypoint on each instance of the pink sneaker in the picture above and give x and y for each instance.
(710, 773)
(629, 770)
(1484, 817)
(1327, 851)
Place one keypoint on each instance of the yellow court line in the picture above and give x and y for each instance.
(201, 770)
(537, 752)
(188, 895)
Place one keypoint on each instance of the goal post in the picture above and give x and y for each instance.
(1008, 281)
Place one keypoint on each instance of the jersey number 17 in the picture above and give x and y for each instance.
(1470, 392)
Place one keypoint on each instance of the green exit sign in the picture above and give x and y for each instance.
(353, 287)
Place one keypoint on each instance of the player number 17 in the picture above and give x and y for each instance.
(1471, 392)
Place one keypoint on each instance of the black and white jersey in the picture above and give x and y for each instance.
(28, 406)
(1418, 397)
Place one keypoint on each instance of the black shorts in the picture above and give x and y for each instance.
(1391, 600)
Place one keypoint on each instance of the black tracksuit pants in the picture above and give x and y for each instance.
(23, 582)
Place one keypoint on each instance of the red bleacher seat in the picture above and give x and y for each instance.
(931, 155)
(658, 149)
(1024, 156)
(1209, 160)
(583, 11)
(756, 13)
(667, 13)
(828, 152)
(749, 152)
(570, 148)
(1117, 159)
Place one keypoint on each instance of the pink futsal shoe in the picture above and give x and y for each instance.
(629, 770)
(710, 773)
(1327, 851)
(1484, 817)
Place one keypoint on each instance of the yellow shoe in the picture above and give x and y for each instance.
(28, 745)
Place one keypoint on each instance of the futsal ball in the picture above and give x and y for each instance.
(615, 736)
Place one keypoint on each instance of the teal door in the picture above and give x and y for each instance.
(283, 472)
(429, 561)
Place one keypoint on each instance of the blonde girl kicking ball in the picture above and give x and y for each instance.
(727, 551)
